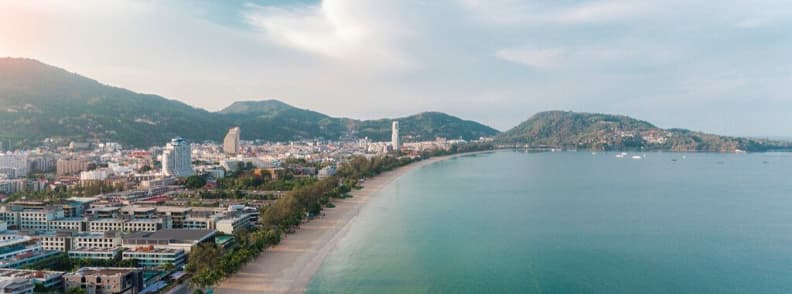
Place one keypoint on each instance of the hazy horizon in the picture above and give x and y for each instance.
(715, 67)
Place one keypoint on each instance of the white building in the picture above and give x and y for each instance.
(18, 163)
(177, 158)
(231, 141)
(95, 175)
(231, 224)
(148, 256)
(395, 141)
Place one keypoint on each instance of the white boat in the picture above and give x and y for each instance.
(620, 155)
(636, 157)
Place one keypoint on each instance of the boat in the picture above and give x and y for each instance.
(621, 155)
(636, 157)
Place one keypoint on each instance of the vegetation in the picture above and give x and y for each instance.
(560, 129)
(38, 101)
(62, 262)
(209, 264)
(195, 182)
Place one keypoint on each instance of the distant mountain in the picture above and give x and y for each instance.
(286, 119)
(617, 132)
(39, 101)
(277, 121)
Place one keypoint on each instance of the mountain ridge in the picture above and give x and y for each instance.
(598, 131)
(39, 101)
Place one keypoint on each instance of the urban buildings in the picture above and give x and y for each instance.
(15, 285)
(106, 280)
(71, 166)
(177, 158)
(231, 142)
(395, 140)
(49, 279)
(14, 165)
(150, 257)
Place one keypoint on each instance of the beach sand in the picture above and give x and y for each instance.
(289, 266)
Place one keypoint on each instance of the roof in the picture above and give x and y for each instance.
(173, 209)
(105, 271)
(172, 235)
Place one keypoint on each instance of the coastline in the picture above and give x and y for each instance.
(289, 266)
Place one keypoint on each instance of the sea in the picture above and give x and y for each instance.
(574, 222)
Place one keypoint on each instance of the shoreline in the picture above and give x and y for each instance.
(289, 266)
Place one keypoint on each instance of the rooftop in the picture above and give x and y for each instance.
(172, 235)
(104, 271)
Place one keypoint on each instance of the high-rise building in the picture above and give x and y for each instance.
(177, 158)
(395, 141)
(70, 166)
(231, 141)
(18, 163)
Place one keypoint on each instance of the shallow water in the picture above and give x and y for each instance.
(573, 222)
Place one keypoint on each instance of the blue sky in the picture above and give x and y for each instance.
(715, 66)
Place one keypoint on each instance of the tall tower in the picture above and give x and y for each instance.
(177, 158)
(231, 141)
(395, 142)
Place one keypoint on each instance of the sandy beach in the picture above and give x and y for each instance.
(289, 266)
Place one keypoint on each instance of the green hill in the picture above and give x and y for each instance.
(39, 101)
(596, 131)
(285, 119)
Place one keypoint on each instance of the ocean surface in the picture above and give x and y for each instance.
(574, 222)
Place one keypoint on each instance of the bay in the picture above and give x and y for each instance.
(574, 222)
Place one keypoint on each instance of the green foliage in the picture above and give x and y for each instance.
(62, 262)
(76, 290)
(208, 264)
(617, 132)
(41, 101)
(195, 182)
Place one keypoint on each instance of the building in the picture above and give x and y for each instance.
(39, 219)
(149, 257)
(395, 140)
(65, 167)
(95, 176)
(17, 251)
(15, 285)
(169, 239)
(231, 141)
(177, 158)
(327, 172)
(235, 222)
(16, 164)
(106, 280)
(95, 253)
(176, 214)
(51, 280)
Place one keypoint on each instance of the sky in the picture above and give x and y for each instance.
(716, 66)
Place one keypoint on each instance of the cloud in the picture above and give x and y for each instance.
(348, 31)
(537, 58)
(520, 12)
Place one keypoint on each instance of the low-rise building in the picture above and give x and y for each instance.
(106, 280)
(51, 280)
(14, 285)
(169, 238)
(148, 256)
(95, 253)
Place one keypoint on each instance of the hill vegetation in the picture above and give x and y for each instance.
(563, 129)
(38, 101)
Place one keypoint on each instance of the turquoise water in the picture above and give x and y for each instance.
(573, 222)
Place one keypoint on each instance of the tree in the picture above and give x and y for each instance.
(195, 182)
(76, 290)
